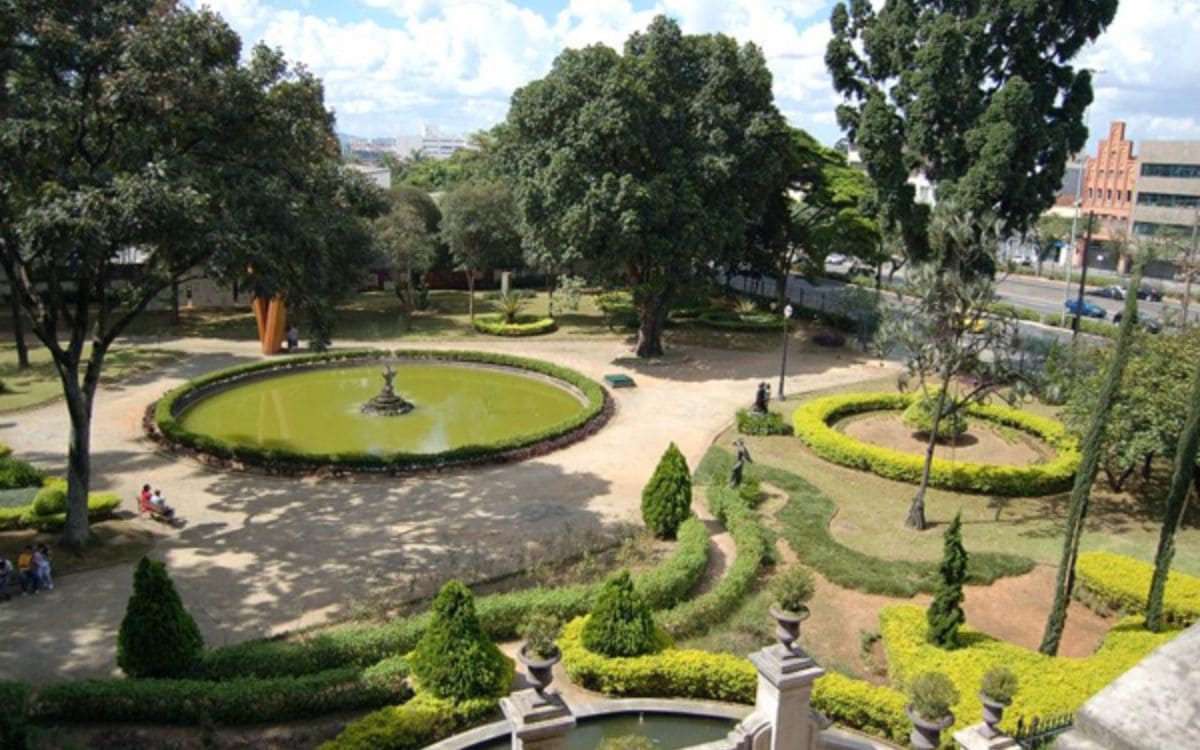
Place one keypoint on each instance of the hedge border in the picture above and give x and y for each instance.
(161, 425)
(812, 424)
(1111, 582)
(493, 324)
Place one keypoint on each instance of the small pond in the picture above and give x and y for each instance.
(667, 731)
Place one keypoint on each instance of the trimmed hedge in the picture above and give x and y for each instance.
(418, 723)
(165, 412)
(805, 524)
(1115, 582)
(874, 709)
(668, 584)
(527, 325)
(52, 498)
(731, 321)
(1049, 685)
(235, 701)
(15, 473)
(669, 672)
(812, 424)
(696, 616)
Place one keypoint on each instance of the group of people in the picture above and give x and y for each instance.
(156, 500)
(33, 571)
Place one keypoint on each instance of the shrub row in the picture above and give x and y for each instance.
(1116, 582)
(418, 723)
(501, 616)
(771, 423)
(236, 701)
(805, 522)
(101, 505)
(167, 409)
(696, 616)
(525, 325)
(1020, 313)
(1049, 685)
(812, 425)
(15, 473)
(731, 321)
(874, 709)
(667, 673)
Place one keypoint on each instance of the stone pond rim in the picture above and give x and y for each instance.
(163, 420)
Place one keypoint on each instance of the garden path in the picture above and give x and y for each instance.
(263, 554)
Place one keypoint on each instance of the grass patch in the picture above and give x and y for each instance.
(39, 383)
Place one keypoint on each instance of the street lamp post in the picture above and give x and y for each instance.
(1078, 204)
(787, 316)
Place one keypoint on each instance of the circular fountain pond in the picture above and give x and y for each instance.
(322, 411)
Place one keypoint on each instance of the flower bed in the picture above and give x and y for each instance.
(161, 424)
(812, 423)
(525, 325)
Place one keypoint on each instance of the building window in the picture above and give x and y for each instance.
(1109, 198)
(1189, 171)
(1145, 228)
(1168, 200)
(1089, 193)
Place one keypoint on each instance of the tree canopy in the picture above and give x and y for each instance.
(134, 130)
(982, 97)
(479, 225)
(650, 163)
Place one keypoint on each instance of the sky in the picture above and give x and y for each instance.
(393, 66)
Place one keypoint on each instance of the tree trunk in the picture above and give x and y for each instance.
(76, 532)
(18, 322)
(549, 294)
(781, 295)
(916, 511)
(1177, 497)
(1147, 466)
(1089, 462)
(409, 299)
(652, 319)
(174, 302)
(471, 294)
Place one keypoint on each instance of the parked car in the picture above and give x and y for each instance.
(1152, 293)
(1109, 292)
(1149, 322)
(1089, 309)
(835, 259)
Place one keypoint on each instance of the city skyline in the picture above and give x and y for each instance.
(392, 66)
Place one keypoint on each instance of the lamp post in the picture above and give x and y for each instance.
(1078, 205)
(787, 316)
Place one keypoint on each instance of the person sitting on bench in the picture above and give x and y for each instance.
(159, 504)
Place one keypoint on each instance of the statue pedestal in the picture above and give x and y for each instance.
(784, 696)
(975, 737)
(538, 723)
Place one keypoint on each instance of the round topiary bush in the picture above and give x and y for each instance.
(455, 659)
(158, 638)
(620, 623)
(51, 498)
(522, 325)
(15, 473)
(919, 418)
(667, 497)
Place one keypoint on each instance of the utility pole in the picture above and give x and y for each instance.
(1083, 276)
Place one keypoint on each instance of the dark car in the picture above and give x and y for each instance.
(1109, 292)
(1149, 322)
(1152, 293)
(1089, 310)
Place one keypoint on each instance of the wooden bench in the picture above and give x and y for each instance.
(150, 509)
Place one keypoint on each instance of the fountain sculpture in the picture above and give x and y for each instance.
(386, 403)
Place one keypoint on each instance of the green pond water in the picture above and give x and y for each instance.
(318, 410)
(667, 731)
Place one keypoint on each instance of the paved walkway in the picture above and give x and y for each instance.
(261, 555)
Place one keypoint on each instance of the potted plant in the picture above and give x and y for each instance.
(540, 653)
(791, 589)
(996, 691)
(931, 694)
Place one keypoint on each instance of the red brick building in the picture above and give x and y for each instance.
(1109, 182)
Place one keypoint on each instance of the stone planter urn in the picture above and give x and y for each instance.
(993, 712)
(926, 735)
(539, 669)
(788, 625)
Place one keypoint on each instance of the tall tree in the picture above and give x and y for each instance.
(943, 327)
(945, 615)
(408, 236)
(1089, 461)
(982, 97)
(1177, 498)
(479, 224)
(651, 163)
(132, 127)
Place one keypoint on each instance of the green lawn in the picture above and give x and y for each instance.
(39, 383)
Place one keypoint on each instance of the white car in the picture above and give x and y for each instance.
(835, 259)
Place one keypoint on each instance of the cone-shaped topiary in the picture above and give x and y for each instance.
(455, 659)
(620, 624)
(945, 614)
(158, 638)
(667, 498)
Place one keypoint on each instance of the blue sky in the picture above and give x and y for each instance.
(393, 66)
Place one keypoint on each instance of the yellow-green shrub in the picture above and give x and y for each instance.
(1049, 684)
(1117, 582)
(672, 672)
(812, 421)
(417, 723)
(873, 709)
(526, 325)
